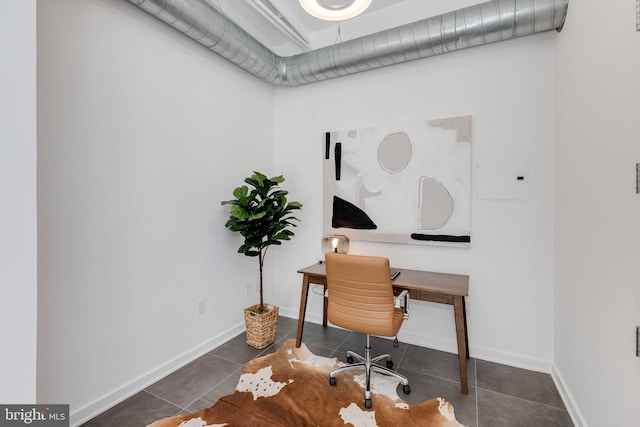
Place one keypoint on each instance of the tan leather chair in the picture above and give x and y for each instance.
(361, 299)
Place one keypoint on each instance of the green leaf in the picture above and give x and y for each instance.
(241, 192)
(282, 236)
(257, 216)
(259, 176)
(239, 212)
(285, 234)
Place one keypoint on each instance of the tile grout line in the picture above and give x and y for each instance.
(514, 396)
(457, 382)
(206, 355)
(406, 347)
(216, 385)
(477, 406)
(525, 400)
(165, 400)
(239, 369)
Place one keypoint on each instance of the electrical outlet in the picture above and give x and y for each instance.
(201, 307)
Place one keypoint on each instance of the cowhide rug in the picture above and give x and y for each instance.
(291, 388)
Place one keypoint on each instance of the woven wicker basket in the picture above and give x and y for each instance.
(261, 328)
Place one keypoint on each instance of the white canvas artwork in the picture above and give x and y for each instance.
(403, 183)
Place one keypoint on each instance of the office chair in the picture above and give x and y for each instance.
(361, 299)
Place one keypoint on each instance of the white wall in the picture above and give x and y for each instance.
(597, 213)
(142, 133)
(509, 89)
(18, 224)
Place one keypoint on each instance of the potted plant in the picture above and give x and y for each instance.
(261, 213)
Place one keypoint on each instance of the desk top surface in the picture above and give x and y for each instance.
(443, 283)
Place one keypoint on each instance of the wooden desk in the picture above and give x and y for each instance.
(422, 285)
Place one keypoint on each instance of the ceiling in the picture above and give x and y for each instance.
(286, 29)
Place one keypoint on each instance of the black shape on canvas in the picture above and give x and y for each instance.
(338, 159)
(327, 144)
(348, 215)
(441, 238)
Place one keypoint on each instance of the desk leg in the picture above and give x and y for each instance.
(325, 307)
(303, 308)
(461, 335)
(466, 333)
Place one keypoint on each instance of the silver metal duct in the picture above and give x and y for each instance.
(476, 25)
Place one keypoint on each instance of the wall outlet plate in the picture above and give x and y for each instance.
(201, 307)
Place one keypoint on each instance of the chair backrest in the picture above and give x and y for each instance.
(360, 293)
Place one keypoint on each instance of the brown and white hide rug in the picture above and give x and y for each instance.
(291, 388)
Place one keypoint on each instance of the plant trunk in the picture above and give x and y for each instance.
(260, 259)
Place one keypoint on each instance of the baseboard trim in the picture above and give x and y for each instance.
(505, 358)
(293, 314)
(109, 400)
(515, 360)
(569, 402)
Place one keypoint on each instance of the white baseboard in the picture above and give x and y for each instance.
(293, 314)
(489, 355)
(515, 360)
(450, 346)
(567, 398)
(82, 415)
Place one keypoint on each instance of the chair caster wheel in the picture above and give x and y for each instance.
(332, 381)
(349, 359)
(390, 364)
(406, 389)
(367, 403)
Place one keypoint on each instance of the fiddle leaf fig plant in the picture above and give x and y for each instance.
(261, 213)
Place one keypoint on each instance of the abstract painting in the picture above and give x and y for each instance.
(406, 182)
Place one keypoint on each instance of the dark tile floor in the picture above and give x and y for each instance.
(498, 395)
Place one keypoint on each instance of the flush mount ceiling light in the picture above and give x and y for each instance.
(335, 10)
